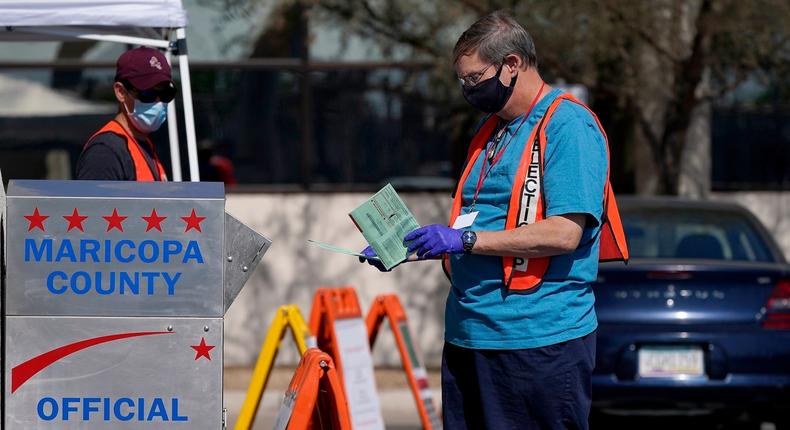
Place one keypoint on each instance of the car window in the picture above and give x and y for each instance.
(693, 234)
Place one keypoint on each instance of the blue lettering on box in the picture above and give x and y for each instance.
(66, 250)
(192, 252)
(123, 251)
(171, 282)
(134, 285)
(150, 276)
(51, 282)
(172, 248)
(157, 410)
(118, 411)
(87, 408)
(68, 408)
(75, 283)
(174, 408)
(44, 251)
(128, 258)
(100, 284)
(121, 409)
(106, 283)
(89, 247)
(53, 409)
(152, 251)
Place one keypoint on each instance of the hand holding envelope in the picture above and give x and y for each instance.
(384, 221)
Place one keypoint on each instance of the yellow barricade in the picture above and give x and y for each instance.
(287, 316)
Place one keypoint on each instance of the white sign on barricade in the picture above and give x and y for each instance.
(358, 376)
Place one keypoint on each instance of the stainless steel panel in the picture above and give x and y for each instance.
(244, 248)
(57, 271)
(2, 202)
(2, 279)
(117, 189)
(178, 388)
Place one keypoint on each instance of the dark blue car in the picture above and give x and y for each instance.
(698, 322)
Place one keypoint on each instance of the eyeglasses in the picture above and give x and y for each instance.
(471, 79)
(164, 94)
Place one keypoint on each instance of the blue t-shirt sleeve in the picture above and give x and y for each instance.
(575, 164)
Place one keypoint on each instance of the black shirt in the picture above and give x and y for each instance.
(107, 158)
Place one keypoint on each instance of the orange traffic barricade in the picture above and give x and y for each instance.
(329, 306)
(336, 322)
(315, 397)
(388, 306)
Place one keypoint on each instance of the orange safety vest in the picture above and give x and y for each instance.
(528, 206)
(142, 169)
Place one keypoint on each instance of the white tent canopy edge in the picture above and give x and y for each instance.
(154, 23)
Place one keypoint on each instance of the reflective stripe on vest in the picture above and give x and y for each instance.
(527, 206)
(142, 169)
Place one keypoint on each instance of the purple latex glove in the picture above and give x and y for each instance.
(434, 240)
(375, 263)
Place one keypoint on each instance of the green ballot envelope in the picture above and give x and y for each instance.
(384, 220)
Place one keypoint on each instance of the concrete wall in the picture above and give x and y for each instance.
(292, 270)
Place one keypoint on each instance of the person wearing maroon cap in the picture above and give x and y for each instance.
(122, 149)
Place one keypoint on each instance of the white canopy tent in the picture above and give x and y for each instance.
(154, 23)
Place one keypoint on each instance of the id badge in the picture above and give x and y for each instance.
(465, 220)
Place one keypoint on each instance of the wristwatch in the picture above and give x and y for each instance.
(468, 238)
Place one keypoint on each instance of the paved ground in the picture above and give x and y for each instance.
(400, 413)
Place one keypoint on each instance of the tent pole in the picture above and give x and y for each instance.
(189, 116)
(172, 132)
(131, 40)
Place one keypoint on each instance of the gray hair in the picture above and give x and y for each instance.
(494, 37)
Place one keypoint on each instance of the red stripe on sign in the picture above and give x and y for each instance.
(22, 372)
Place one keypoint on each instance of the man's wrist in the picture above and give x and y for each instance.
(468, 239)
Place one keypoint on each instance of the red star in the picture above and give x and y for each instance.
(115, 220)
(75, 220)
(36, 220)
(193, 221)
(154, 220)
(202, 349)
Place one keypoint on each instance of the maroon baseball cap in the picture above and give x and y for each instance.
(143, 68)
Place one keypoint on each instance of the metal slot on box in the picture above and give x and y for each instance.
(244, 249)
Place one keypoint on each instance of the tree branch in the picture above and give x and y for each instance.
(373, 24)
(638, 31)
(645, 125)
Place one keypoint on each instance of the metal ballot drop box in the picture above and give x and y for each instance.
(115, 294)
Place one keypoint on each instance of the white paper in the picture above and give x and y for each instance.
(358, 377)
(465, 220)
(285, 412)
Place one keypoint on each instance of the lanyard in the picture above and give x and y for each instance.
(483, 171)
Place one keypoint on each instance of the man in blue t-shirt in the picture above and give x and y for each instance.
(519, 358)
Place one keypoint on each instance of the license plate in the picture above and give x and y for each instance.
(662, 361)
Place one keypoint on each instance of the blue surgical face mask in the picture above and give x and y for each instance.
(147, 117)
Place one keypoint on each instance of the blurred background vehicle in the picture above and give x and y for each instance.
(698, 322)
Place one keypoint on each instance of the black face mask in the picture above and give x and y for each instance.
(491, 94)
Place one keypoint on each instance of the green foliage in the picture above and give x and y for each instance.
(648, 65)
